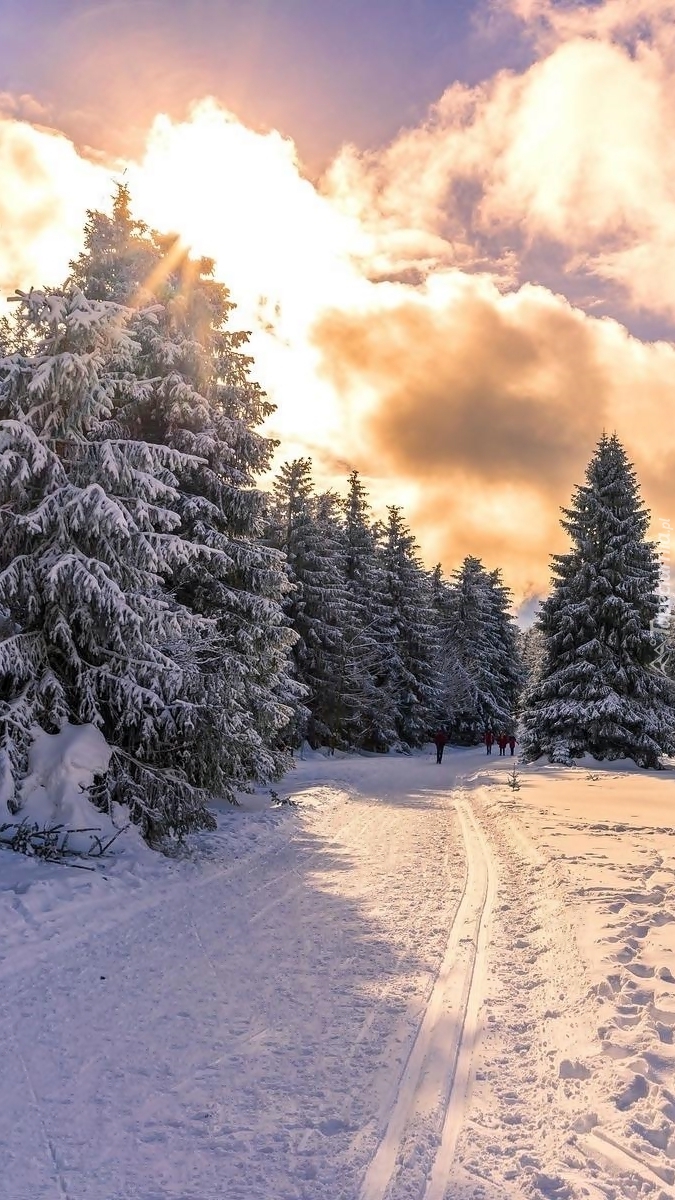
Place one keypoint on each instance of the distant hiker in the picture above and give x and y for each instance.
(502, 742)
(489, 739)
(512, 743)
(440, 739)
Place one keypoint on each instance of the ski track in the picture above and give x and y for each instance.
(52, 1156)
(432, 1091)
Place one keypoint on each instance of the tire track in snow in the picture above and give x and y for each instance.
(436, 1077)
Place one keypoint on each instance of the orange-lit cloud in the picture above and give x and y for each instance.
(393, 319)
(489, 405)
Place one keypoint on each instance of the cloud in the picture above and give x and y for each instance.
(579, 149)
(46, 188)
(23, 107)
(495, 387)
(393, 319)
(628, 21)
(486, 407)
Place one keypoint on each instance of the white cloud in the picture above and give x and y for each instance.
(393, 283)
(46, 188)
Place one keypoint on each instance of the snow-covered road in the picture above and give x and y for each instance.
(418, 984)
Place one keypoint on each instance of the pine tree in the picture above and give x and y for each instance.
(532, 652)
(412, 680)
(121, 258)
(305, 528)
(7, 337)
(346, 683)
(456, 693)
(597, 694)
(371, 634)
(509, 666)
(87, 538)
(199, 398)
(478, 631)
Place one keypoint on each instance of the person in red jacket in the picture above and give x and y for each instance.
(512, 743)
(489, 739)
(502, 742)
(440, 740)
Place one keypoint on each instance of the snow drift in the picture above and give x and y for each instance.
(62, 768)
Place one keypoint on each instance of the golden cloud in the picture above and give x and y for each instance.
(490, 405)
(389, 321)
(496, 388)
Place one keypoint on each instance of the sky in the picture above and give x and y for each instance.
(450, 227)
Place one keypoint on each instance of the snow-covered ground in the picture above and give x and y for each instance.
(417, 984)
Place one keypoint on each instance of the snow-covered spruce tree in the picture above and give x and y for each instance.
(304, 527)
(372, 630)
(509, 665)
(456, 705)
(200, 399)
(597, 694)
(17, 333)
(348, 697)
(121, 260)
(478, 633)
(412, 681)
(87, 537)
(7, 345)
(533, 653)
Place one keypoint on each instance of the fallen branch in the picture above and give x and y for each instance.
(50, 843)
(278, 801)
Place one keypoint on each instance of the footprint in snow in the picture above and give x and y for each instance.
(659, 1137)
(569, 1069)
(624, 955)
(637, 1089)
(642, 970)
(552, 1185)
(334, 1125)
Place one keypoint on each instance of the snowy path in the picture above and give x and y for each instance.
(417, 986)
(232, 1032)
(433, 1088)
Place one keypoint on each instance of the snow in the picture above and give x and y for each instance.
(61, 768)
(418, 983)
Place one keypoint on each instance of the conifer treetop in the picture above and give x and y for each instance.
(596, 693)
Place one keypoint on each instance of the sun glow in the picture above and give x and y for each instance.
(46, 185)
(391, 319)
(284, 250)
